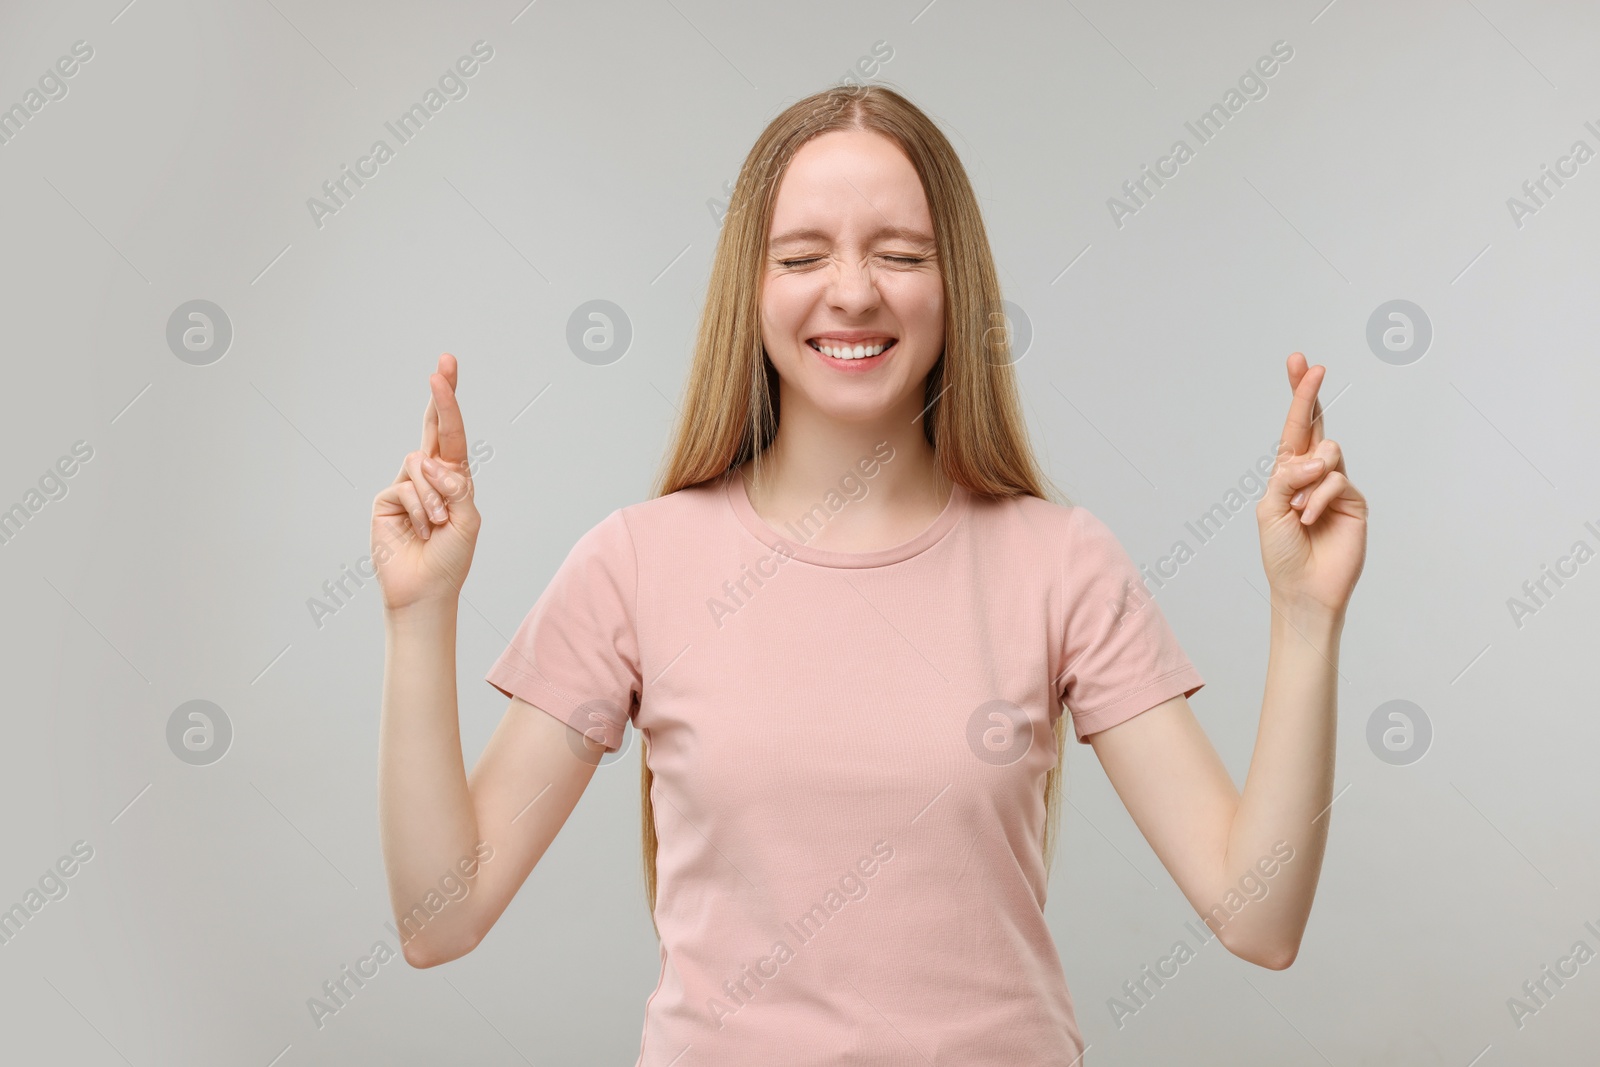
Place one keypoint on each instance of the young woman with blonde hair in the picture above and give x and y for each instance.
(846, 626)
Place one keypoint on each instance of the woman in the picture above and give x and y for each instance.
(854, 726)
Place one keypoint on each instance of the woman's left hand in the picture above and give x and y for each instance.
(1313, 523)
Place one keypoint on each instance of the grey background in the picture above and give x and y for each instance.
(219, 498)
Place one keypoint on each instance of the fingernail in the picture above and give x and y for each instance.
(1298, 499)
(1310, 466)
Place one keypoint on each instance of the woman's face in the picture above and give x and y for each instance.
(851, 261)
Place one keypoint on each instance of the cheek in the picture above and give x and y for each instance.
(787, 304)
(920, 307)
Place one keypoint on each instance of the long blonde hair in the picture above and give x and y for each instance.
(972, 418)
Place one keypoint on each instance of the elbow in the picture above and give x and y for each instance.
(1274, 957)
(1264, 952)
(1278, 961)
(422, 953)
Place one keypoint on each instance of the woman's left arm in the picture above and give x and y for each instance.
(1249, 863)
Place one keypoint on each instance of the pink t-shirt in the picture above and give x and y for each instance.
(849, 753)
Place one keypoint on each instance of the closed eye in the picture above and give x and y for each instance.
(909, 260)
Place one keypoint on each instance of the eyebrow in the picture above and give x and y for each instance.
(811, 234)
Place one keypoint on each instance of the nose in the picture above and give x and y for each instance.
(852, 289)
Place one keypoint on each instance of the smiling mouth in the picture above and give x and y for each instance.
(846, 352)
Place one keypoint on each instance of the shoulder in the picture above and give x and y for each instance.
(1027, 516)
(686, 507)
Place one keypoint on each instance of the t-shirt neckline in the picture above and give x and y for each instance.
(739, 500)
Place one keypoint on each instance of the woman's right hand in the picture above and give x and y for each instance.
(425, 525)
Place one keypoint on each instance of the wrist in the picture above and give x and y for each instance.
(1306, 614)
(427, 614)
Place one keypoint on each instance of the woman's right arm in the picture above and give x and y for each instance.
(436, 824)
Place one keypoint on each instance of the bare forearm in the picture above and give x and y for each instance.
(428, 822)
(1281, 823)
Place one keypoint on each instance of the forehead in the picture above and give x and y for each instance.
(850, 182)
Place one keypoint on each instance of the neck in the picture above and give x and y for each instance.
(884, 467)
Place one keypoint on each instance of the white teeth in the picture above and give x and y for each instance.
(848, 352)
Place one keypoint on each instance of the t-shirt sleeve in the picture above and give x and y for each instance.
(1118, 655)
(576, 653)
